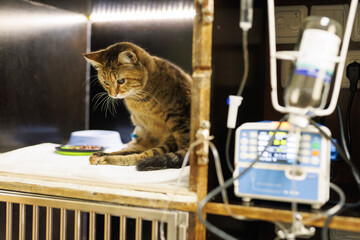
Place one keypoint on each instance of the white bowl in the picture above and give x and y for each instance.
(102, 138)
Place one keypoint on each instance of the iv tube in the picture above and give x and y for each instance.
(246, 13)
(246, 17)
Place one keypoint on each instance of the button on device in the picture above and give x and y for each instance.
(264, 137)
(253, 149)
(243, 155)
(244, 141)
(315, 152)
(291, 150)
(243, 148)
(315, 145)
(304, 160)
(290, 156)
(261, 148)
(252, 155)
(305, 144)
(263, 143)
(315, 160)
(253, 134)
(305, 152)
(306, 137)
(253, 141)
(291, 145)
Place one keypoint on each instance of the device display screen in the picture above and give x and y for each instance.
(282, 149)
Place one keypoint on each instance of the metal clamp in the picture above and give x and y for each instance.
(203, 136)
(296, 230)
(207, 10)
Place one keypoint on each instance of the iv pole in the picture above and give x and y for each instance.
(303, 114)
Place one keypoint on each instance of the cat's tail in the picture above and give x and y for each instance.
(157, 162)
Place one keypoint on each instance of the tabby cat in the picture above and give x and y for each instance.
(157, 94)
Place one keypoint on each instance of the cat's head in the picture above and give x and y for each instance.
(120, 69)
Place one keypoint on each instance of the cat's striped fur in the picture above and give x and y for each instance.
(157, 94)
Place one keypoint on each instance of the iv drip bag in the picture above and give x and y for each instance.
(310, 78)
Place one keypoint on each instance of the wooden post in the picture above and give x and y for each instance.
(200, 103)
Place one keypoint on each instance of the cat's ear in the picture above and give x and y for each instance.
(95, 58)
(127, 57)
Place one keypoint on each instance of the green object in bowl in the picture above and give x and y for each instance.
(68, 150)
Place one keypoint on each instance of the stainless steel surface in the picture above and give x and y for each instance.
(42, 73)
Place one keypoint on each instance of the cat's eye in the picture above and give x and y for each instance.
(106, 83)
(121, 80)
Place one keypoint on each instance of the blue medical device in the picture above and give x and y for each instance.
(284, 171)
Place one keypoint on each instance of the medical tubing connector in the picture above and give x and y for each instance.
(246, 14)
(234, 103)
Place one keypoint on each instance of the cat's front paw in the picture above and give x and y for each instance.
(98, 158)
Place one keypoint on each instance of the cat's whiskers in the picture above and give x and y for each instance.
(115, 103)
(106, 103)
(110, 106)
(99, 98)
(92, 80)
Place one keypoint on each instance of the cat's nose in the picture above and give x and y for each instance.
(113, 95)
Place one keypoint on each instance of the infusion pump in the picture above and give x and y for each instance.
(284, 172)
